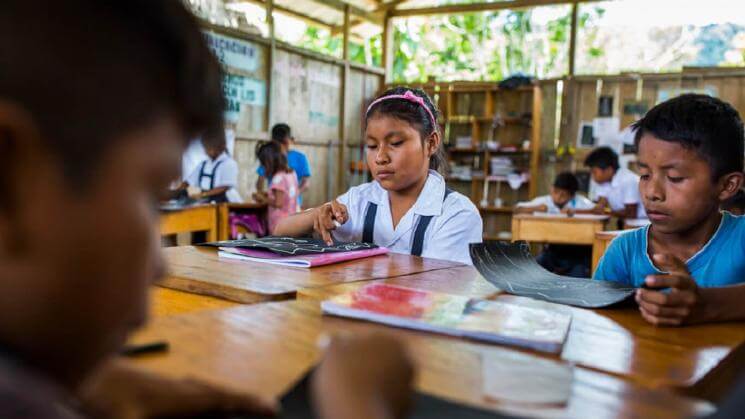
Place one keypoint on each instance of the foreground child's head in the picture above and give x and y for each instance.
(564, 188)
(603, 164)
(92, 126)
(690, 160)
(272, 158)
(403, 138)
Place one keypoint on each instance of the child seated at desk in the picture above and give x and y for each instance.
(408, 207)
(691, 259)
(617, 189)
(283, 190)
(562, 259)
(216, 177)
(73, 290)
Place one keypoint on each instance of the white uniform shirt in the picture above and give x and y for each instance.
(622, 190)
(227, 175)
(579, 202)
(456, 222)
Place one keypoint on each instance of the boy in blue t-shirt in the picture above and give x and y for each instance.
(297, 161)
(691, 160)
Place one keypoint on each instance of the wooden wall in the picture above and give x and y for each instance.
(306, 94)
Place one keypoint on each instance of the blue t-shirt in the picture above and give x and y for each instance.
(297, 162)
(719, 263)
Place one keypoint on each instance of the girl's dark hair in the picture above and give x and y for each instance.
(414, 114)
(271, 157)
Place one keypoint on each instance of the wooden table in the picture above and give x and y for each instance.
(201, 271)
(600, 244)
(264, 349)
(700, 361)
(190, 220)
(223, 215)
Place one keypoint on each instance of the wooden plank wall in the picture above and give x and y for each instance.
(306, 94)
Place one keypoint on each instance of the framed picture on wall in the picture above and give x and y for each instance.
(585, 135)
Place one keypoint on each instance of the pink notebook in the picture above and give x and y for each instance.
(303, 261)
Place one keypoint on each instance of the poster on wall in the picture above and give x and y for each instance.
(232, 52)
(242, 91)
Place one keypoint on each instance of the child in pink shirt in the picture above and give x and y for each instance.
(282, 195)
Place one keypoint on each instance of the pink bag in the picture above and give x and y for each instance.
(250, 222)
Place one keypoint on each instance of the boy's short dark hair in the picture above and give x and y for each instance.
(281, 132)
(709, 126)
(567, 181)
(737, 201)
(90, 72)
(602, 157)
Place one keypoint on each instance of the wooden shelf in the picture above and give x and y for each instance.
(470, 119)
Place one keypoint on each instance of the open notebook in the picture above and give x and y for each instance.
(490, 321)
(300, 261)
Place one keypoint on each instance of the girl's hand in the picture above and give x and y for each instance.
(327, 218)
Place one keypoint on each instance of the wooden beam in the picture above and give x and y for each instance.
(480, 7)
(271, 53)
(389, 48)
(305, 18)
(573, 39)
(342, 6)
(344, 96)
(382, 9)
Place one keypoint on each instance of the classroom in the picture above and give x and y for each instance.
(375, 209)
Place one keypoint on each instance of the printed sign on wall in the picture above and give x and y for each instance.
(233, 52)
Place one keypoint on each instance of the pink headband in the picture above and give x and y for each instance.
(411, 97)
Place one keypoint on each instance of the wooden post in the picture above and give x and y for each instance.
(341, 174)
(389, 48)
(271, 50)
(573, 39)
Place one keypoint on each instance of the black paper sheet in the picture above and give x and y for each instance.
(292, 245)
(511, 268)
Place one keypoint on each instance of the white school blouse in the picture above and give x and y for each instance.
(225, 172)
(621, 190)
(456, 222)
(579, 202)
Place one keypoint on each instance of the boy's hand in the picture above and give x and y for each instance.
(121, 391)
(369, 377)
(327, 217)
(681, 305)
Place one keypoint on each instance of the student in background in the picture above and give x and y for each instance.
(407, 208)
(563, 198)
(617, 188)
(736, 204)
(283, 189)
(103, 165)
(690, 259)
(282, 134)
(562, 259)
(217, 176)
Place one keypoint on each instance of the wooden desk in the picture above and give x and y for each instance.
(265, 348)
(556, 229)
(699, 360)
(201, 271)
(223, 215)
(600, 244)
(189, 220)
(168, 302)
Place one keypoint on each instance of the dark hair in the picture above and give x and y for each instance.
(415, 115)
(90, 71)
(737, 201)
(270, 156)
(602, 157)
(215, 138)
(281, 132)
(567, 181)
(709, 126)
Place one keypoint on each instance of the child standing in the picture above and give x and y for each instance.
(407, 208)
(282, 195)
(617, 188)
(298, 162)
(691, 256)
(560, 258)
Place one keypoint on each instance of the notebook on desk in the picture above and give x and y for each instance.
(300, 261)
(490, 321)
